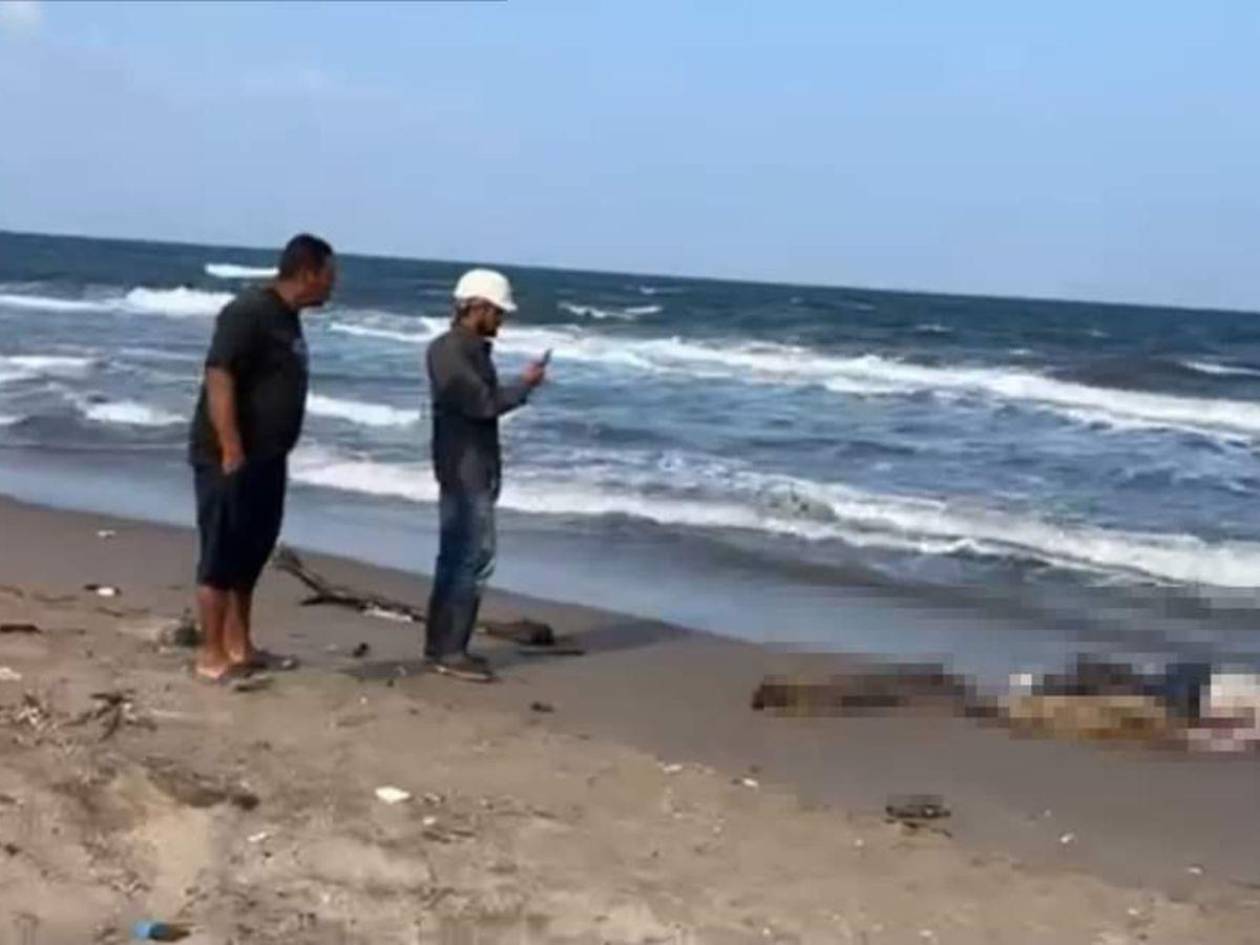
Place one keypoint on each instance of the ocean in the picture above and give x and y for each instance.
(997, 482)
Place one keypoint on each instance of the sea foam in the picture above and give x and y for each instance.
(816, 512)
(234, 271)
(360, 412)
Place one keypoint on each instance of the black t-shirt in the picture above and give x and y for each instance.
(258, 340)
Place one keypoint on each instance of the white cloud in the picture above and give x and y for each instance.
(20, 15)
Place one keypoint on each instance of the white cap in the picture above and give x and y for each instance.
(487, 285)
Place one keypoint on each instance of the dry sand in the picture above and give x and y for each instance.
(651, 805)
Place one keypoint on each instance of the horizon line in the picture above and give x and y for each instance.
(551, 267)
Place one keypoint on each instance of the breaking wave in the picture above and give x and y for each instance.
(1220, 370)
(233, 271)
(627, 314)
(360, 412)
(867, 375)
(387, 334)
(815, 511)
(48, 303)
(31, 365)
(179, 302)
(128, 413)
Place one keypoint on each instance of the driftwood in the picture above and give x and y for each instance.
(115, 708)
(325, 592)
(19, 628)
(530, 635)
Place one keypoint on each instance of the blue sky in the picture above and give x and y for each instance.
(1069, 149)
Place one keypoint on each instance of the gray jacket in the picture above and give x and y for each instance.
(467, 404)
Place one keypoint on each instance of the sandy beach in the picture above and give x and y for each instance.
(629, 795)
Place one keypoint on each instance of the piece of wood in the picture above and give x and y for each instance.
(537, 637)
(325, 592)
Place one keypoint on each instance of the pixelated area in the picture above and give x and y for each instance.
(1184, 706)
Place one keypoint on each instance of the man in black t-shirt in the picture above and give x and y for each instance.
(248, 419)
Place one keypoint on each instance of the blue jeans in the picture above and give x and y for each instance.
(465, 562)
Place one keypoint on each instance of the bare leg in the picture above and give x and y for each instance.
(237, 642)
(212, 658)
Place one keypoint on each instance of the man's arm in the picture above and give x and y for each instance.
(221, 405)
(230, 348)
(458, 386)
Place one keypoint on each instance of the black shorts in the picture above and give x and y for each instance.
(238, 521)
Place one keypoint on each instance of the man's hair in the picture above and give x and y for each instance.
(304, 253)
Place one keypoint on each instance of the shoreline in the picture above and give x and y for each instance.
(682, 694)
(717, 589)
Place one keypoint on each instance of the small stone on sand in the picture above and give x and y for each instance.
(392, 795)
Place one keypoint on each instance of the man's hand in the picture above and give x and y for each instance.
(221, 404)
(233, 460)
(535, 374)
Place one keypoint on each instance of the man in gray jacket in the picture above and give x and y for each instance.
(467, 403)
